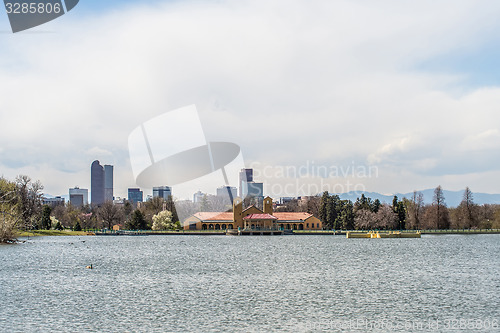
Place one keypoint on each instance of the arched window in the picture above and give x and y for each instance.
(223, 226)
(211, 227)
(230, 226)
(204, 226)
(217, 227)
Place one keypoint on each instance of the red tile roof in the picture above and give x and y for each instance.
(226, 216)
(259, 217)
(286, 216)
(206, 215)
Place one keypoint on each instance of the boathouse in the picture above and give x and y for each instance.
(252, 218)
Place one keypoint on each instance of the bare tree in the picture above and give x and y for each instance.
(110, 214)
(442, 219)
(467, 210)
(30, 199)
(414, 206)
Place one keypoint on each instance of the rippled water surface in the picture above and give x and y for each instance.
(250, 284)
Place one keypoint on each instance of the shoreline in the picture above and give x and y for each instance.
(41, 233)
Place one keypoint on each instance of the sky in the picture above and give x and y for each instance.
(384, 96)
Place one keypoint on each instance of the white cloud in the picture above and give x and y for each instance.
(290, 81)
(97, 151)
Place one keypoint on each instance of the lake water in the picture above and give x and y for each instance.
(251, 284)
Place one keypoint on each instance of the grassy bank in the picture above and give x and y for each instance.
(33, 233)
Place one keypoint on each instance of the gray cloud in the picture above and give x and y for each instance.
(327, 81)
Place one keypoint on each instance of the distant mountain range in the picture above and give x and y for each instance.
(452, 198)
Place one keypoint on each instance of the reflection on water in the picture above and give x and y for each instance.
(247, 284)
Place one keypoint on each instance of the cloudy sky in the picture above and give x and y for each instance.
(410, 89)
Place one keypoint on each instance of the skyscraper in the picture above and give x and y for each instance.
(249, 188)
(227, 193)
(162, 192)
(108, 183)
(135, 195)
(78, 197)
(246, 175)
(101, 183)
(96, 183)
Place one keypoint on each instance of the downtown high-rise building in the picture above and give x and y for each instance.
(101, 183)
(249, 188)
(162, 192)
(227, 193)
(135, 195)
(78, 197)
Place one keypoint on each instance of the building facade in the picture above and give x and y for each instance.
(248, 187)
(227, 193)
(108, 183)
(101, 183)
(252, 218)
(162, 192)
(54, 202)
(78, 197)
(135, 195)
(198, 196)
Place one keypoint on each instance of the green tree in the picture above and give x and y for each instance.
(322, 209)
(332, 211)
(46, 223)
(347, 215)
(364, 203)
(399, 208)
(77, 226)
(137, 221)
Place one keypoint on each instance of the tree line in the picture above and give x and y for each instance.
(21, 208)
(403, 214)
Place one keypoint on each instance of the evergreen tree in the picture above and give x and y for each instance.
(137, 221)
(401, 213)
(364, 203)
(395, 203)
(376, 205)
(347, 215)
(77, 226)
(46, 223)
(323, 209)
(332, 211)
